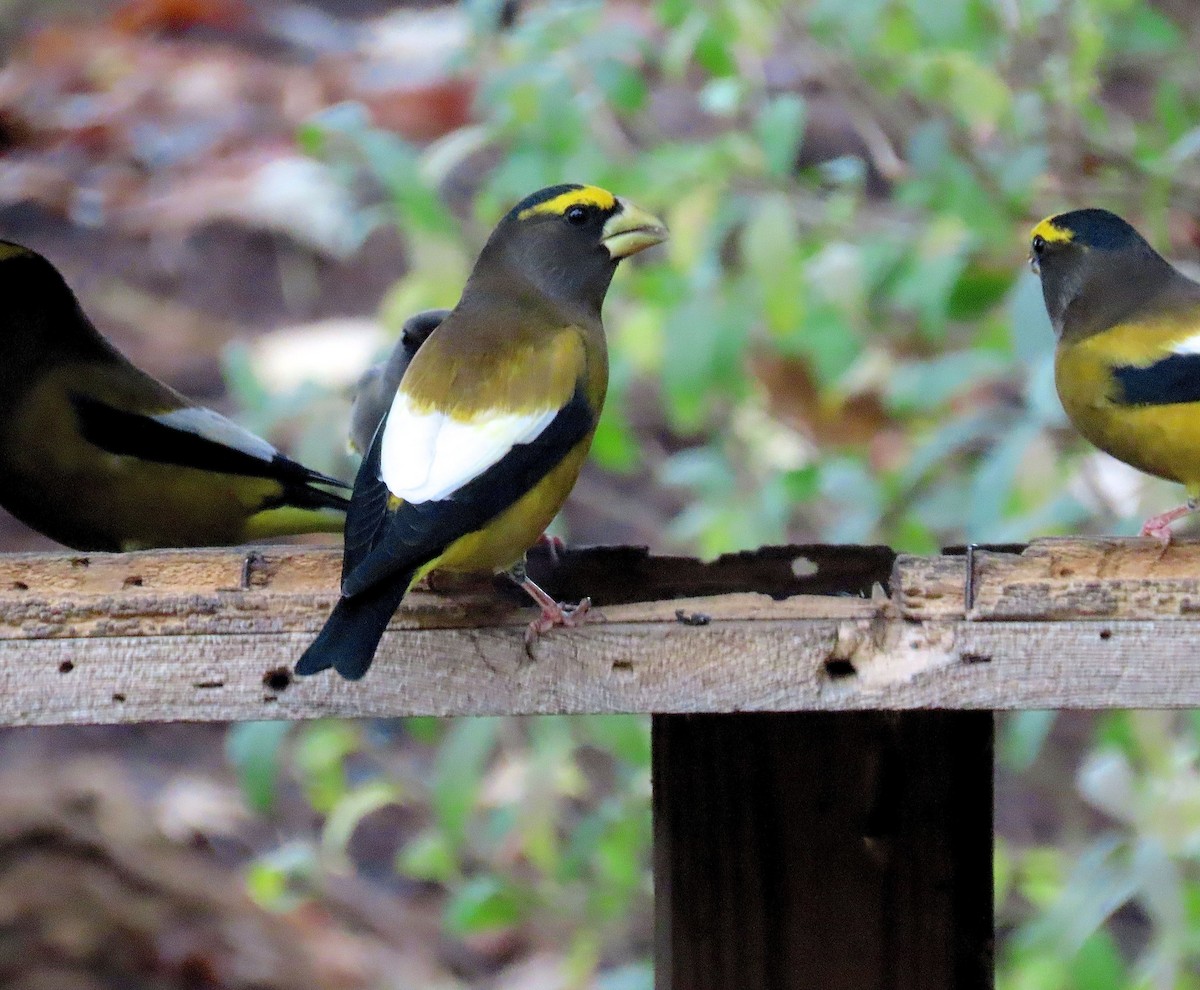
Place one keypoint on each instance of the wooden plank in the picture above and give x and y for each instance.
(847, 852)
(213, 634)
(1080, 579)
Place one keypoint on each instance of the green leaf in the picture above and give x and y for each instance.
(253, 749)
(428, 857)
(461, 761)
(978, 290)
(424, 728)
(1022, 738)
(615, 444)
(482, 904)
(626, 737)
(994, 481)
(1150, 35)
(624, 86)
(321, 749)
(281, 879)
(714, 51)
(1100, 882)
(925, 385)
(802, 484)
(779, 128)
(1098, 964)
(349, 811)
(1003, 869)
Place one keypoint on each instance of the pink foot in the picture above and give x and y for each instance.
(554, 614)
(559, 614)
(1159, 527)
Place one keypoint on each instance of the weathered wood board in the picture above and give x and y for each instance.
(211, 635)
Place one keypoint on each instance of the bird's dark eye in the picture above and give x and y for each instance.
(576, 215)
(1039, 244)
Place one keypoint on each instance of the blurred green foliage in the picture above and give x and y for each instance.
(1116, 905)
(844, 344)
(541, 822)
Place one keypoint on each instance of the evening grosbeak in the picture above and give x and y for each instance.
(492, 420)
(1127, 364)
(98, 455)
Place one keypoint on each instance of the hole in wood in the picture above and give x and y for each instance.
(66, 667)
(80, 562)
(803, 567)
(118, 698)
(976, 658)
(278, 679)
(209, 684)
(1106, 634)
(622, 665)
(19, 586)
(132, 582)
(839, 669)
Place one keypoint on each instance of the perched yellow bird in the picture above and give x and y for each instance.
(1127, 365)
(96, 454)
(377, 387)
(492, 420)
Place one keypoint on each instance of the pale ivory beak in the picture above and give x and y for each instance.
(631, 230)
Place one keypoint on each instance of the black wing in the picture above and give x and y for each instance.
(381, 543)
(1168, 382)
(130, 434)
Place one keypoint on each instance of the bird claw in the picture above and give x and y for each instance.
(560, 614)
(1159, 527)
(1159, 530)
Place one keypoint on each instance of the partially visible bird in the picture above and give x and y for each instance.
(377, 387)
(492, 420)
(98, 455)
(1127, 363)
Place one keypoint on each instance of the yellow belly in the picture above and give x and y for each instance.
(504, 540)
(1160, 440)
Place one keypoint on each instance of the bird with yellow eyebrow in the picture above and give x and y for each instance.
(98, 455)
(491, 422)
(1127, 362)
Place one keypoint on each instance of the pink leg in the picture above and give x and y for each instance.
(553, 613)
(1160, 526)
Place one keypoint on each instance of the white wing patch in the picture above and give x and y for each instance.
(1189, 345)
(427, 455)
(213, 426)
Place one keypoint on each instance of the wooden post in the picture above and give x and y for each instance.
(845, 851)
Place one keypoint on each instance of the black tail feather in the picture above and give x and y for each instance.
(307, 496)
(351, 634)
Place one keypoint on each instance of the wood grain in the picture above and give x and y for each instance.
(211, 635)
(847, 852)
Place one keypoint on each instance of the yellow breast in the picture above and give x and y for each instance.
(1163, 440)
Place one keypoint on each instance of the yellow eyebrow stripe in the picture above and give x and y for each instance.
(583, 196)
(1051, 234)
